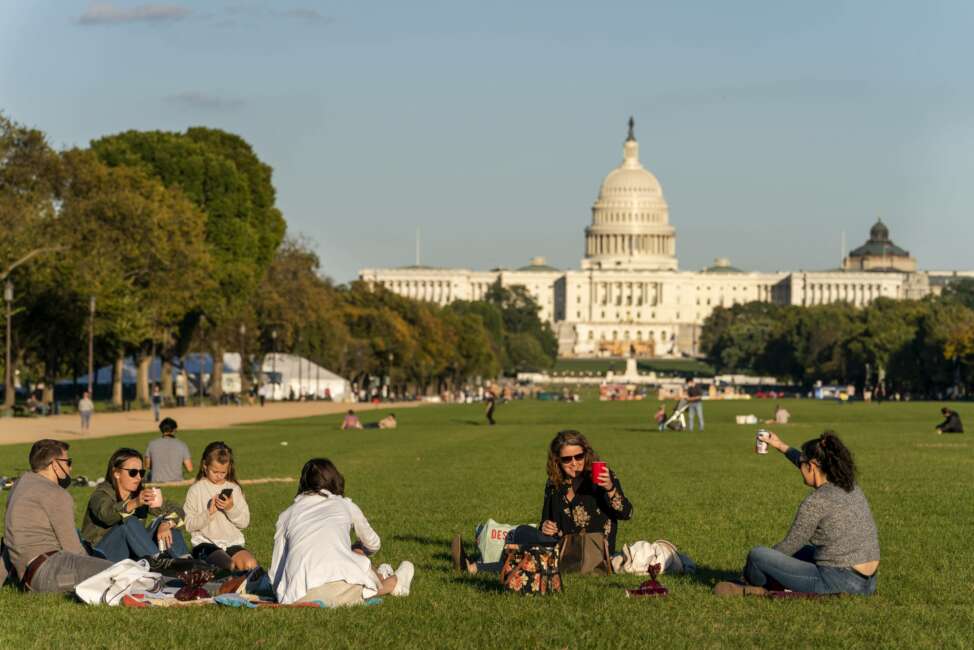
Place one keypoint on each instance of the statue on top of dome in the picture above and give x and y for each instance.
(632, 130)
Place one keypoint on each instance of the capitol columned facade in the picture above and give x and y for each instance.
(629, 293)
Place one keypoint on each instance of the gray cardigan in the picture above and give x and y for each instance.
(837, 523)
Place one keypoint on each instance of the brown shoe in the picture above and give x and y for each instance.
(723, 589)
(457, 555)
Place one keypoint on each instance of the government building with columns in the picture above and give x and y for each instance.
(629, 293)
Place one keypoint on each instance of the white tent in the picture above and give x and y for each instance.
(289, 372)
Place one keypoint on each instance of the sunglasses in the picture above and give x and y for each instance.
(567, 459)
(134, 472)
(64, 460)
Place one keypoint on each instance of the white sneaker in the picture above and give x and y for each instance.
(384, 571)
(404, 577)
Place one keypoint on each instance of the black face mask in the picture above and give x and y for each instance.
(64, 482)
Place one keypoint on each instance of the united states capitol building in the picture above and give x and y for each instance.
(629, 294)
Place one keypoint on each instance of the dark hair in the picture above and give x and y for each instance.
(351, 412)
(944, 410)
(321, 474)
(568, 437)
(168, 426)
(834, 458)
(217, 452)
(43, 452)
(117, 460)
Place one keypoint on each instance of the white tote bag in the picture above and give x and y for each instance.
(121, 578)
(491, 537)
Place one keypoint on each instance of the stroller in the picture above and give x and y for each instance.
(678, 419)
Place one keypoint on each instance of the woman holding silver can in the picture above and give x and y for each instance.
(832, 546)
(115, 520)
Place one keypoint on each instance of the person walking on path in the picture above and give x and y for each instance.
(695, 397)
(166, 457)
(491, 399)
(156, 399)
(39, 531)
(85, 408)
(951, 423)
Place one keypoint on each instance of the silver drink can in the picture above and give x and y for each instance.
(760, 444)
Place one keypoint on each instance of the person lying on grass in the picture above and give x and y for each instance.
(314, 559)
(217, 512)
(833, 545)
(115, 519)
(573, 503)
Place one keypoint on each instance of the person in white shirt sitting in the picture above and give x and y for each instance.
(314, 559)
(217, 512)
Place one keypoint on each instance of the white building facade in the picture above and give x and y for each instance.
(630, 295)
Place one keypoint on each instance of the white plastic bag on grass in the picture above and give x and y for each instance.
(491, 538)
(111, 585)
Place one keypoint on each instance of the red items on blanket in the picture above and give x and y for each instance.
(193, 582)
(651, 587)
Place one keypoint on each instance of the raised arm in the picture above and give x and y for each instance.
(790, 453)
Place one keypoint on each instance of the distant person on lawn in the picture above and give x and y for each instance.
(572, 502)
(85, 408)
(314, 558)
(490, 399)
(833, 545)
(388, 422)
(39, 530)
(781, 415)
(951, 423)
(351, 421)
(695, 397)
(660, 417)
(215, 519)
(166, 457)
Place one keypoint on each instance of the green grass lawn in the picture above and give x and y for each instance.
(443, 471)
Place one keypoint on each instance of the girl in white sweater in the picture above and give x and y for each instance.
(217, 512)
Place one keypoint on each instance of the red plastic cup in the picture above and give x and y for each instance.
(598, 467)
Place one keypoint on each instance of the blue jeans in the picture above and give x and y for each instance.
(697, 408)
(766, 566)
(156, 406)
(524, 535)
(131, 540)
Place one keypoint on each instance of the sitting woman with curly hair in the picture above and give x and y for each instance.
(573, 502)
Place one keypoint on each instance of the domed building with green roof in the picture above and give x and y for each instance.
(629, 293)
(879, 254)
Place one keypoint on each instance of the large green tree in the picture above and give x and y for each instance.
(222, 175)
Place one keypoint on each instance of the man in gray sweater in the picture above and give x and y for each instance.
(39, 529)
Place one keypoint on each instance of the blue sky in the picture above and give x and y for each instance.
(772, 126)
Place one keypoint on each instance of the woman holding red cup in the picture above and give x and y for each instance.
(582, 495)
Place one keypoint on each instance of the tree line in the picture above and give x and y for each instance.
(922, 347)
(175, 243)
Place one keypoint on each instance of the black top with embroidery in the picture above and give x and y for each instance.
(591, 510)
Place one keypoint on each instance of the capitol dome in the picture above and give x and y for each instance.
(630, 219)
